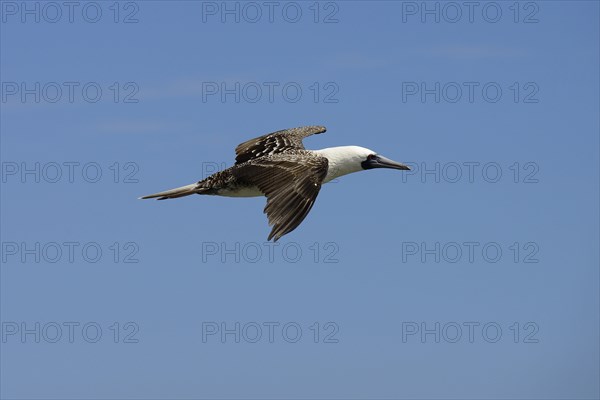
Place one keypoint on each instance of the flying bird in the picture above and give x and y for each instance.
(277, 165)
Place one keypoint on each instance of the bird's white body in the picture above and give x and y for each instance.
(343, 160)
(242, 192)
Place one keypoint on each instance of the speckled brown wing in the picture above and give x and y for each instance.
(276, 142)
(291, 183)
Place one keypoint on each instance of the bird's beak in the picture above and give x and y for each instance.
(382, 162)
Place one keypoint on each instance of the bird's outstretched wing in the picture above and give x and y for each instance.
(276, 142)
(291, 184)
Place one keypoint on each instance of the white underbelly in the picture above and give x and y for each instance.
(241, 192)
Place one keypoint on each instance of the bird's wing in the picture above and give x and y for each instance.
(291, 184)
(276, 142)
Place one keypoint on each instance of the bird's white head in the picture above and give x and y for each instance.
(345, 160)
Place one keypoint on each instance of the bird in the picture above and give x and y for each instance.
(277, 166)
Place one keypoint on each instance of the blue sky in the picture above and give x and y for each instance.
(473, 276)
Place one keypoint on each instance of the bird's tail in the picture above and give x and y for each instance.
(177, 192)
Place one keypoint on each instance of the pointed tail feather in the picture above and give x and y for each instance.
(175, 193)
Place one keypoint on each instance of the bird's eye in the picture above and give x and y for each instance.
(370, 157)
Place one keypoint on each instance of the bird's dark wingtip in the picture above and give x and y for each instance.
(273, 236)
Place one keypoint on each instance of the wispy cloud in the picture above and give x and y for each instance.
(185, 87)
(471, 52)
(356, 61)
(131, 127)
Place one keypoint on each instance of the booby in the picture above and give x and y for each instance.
(277, 165)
